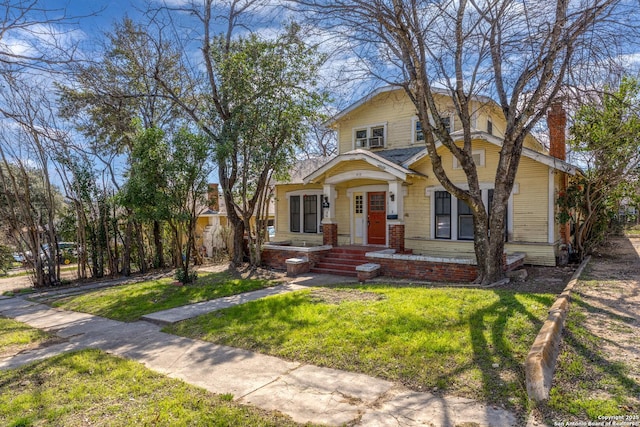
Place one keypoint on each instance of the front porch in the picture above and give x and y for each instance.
(343, 260)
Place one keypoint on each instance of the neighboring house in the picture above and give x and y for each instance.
(212, 226)
(380, 189)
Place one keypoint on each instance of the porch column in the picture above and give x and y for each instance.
(329, 223)
(395, 216)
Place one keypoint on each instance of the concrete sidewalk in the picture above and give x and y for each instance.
(307, 393)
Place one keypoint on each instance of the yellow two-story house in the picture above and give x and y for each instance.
(380, 189)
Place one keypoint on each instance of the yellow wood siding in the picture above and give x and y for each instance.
(531, 204)
(417, 211)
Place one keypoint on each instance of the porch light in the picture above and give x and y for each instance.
(392, 196)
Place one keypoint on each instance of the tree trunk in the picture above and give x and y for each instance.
(142, 257)
(126, 255)
(157, 240)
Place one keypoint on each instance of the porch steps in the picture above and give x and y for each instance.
(342, 261)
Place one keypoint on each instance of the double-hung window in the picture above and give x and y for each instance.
(443, 215)
(465, 221)
(305, 213)
(370, 136)
(452, 218)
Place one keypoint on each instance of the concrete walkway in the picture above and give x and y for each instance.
(307, 393)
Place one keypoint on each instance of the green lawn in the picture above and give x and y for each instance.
(92, 388)
(16, 336)
(128, 302)
(467, 342)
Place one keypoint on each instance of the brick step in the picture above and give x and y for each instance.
(350, 261)
(339, 250)
(335, 272)
(336, 266)
(356, 257)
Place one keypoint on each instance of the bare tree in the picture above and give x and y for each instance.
(517, 52)
(31, 202)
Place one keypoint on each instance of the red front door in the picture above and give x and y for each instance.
(377, 218)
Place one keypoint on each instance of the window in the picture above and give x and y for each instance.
(443, 215)
(369, 137)
(452, 219)
(465, 221)
(310, 214)
(489, 127)
(419, 134)
(305, 213)
(294, 214)
(361, 138)
(359, 204)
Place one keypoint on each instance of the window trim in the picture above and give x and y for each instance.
(369, 128)
(481, 164)
(436, 215)
(414, 131)
(485, 187)
(319, 210)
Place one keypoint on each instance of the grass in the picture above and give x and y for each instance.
(586, 384)
(16, 336)
(128, 302)
(92, 388)
(468, 342)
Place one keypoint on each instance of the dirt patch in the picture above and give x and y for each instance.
(603, 362)
(14, 350)
(542, 280)
(337, 296)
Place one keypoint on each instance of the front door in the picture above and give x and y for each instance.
(377, 218)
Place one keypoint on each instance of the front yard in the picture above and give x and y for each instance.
(128, 302)
(467, 342)
(91, 387)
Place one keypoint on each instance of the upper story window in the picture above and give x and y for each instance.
(370, 136)
(417, 131)
(489, 127)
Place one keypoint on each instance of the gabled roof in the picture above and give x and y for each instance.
(527, 152)
(390, 88)
(376, 159)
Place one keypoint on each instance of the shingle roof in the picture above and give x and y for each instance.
(399, 155)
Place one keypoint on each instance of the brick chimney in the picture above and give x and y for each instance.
(557, 122)
(213, 197)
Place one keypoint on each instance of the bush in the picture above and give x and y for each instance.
(6, 258)
(186, 276)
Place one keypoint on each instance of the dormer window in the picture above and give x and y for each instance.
(489, 127)
(370, 137)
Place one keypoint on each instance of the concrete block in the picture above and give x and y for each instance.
(296, 266)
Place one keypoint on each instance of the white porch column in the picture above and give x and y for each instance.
(329, 197)
(396, 200)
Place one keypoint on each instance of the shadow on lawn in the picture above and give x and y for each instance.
(504, 383)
